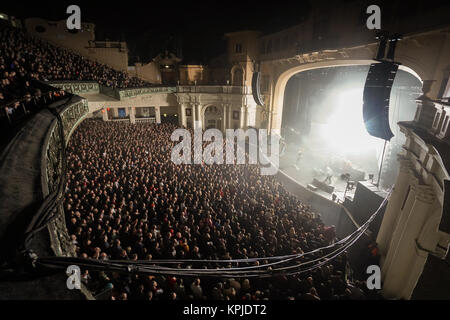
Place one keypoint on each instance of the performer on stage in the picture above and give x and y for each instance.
(329, 176)
(299, 157)
(282, 146)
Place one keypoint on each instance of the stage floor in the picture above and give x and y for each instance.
(311, 166)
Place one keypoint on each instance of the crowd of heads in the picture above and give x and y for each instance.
(24, 58)
(126, 200)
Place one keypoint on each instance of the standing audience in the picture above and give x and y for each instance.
(24, 58)
(125, 199)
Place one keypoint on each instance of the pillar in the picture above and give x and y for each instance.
(132, 112)
(158, 114)
(105, 114)
(182, 120)
(393, 207)
(407, 263)
(243, 117)
(197, 117)
(397, 231)
(251, 116)
(192, 106)
(224, 116)
(230, 117)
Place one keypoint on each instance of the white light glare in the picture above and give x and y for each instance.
(345, 132)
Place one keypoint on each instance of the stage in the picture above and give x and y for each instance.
(317, 164)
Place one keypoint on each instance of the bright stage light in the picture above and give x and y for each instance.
(345, 133)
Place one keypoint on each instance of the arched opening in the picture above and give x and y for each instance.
(321, 118)
(213, 118)
(238, 77)
(281, 82)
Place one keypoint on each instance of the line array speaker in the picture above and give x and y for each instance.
(377, 92)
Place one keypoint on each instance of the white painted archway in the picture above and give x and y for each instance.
(217, 117)
(237, 75)
(277, 102)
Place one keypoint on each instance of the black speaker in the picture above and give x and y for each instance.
(382, 36)
(377, 92)
(256, 88)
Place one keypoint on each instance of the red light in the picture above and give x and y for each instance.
(108, 109)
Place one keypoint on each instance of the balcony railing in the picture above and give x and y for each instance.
(91, 87)
(124, 94)
(213, 89)
(76, 87)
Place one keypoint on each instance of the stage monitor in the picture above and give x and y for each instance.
(377, 92)
(256, 88)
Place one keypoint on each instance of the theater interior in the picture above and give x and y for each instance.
(93, 206)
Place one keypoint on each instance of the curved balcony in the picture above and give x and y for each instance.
(76, 87)
(32, 175)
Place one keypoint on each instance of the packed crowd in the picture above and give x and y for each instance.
(24, 58)
(126, 200)
(14, 115)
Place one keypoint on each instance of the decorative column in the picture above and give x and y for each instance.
(158, 115)
(243, 117)
(398, 229)
(182, 121)
(230, 117)
(407, 263)
(224, 116)
(132, 114)
(197, 118)
(251, 116)
(194, 118)
(393, 207)
(105, 115)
